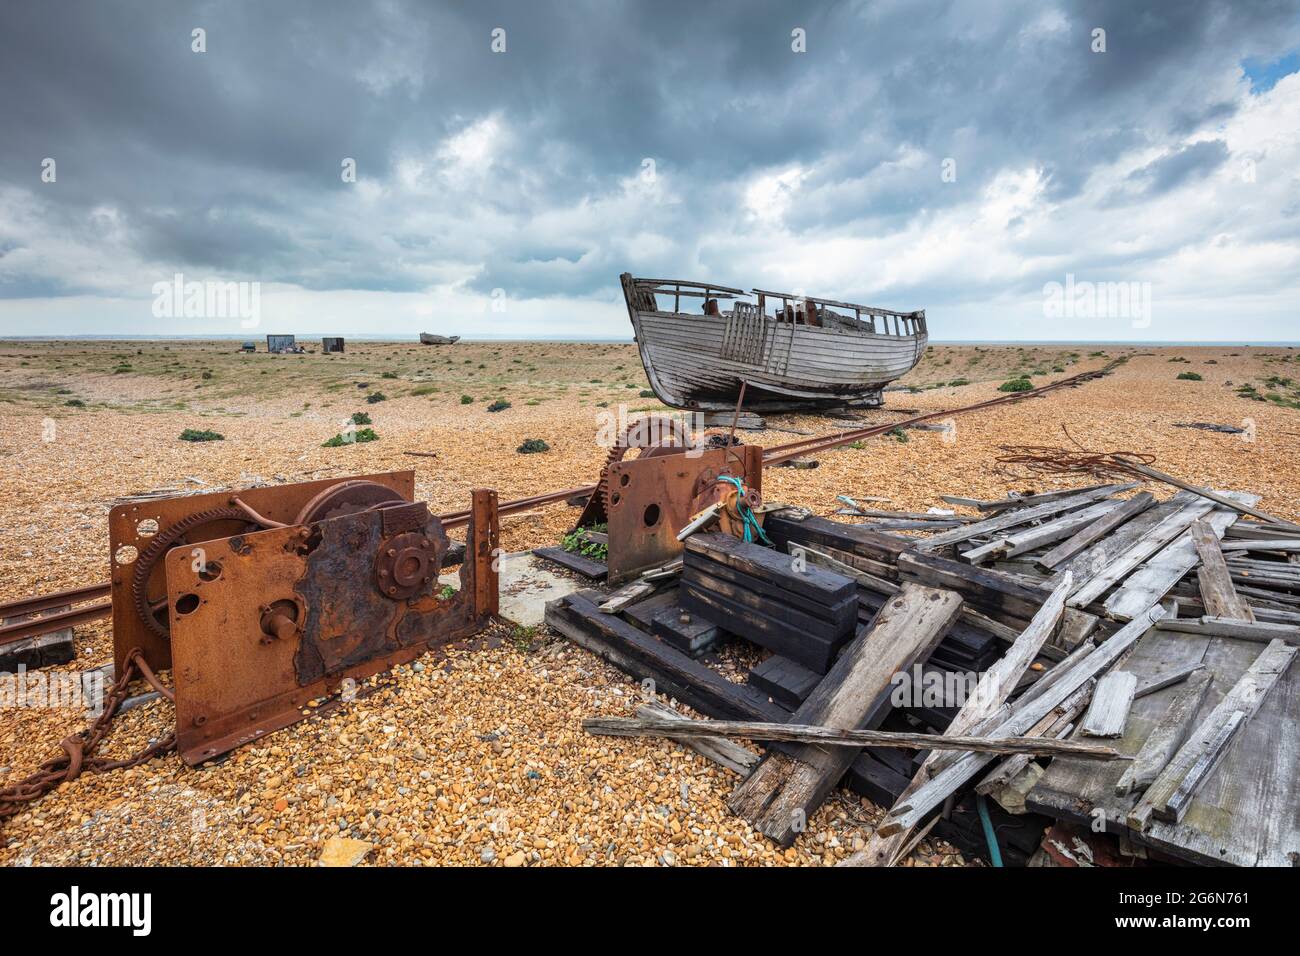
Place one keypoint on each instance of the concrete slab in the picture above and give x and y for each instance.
(527, 584)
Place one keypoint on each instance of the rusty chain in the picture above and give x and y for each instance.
(79, 750)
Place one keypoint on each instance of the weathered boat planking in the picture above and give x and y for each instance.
(806, 352)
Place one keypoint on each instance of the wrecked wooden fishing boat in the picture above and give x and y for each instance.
(789, 351)
(428, 338)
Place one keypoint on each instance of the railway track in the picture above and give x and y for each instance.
(44, 624)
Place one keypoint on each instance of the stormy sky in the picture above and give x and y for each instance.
(511, 159)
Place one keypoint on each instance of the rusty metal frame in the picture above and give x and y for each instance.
(278, 503)
(652, 498)
(235, 682)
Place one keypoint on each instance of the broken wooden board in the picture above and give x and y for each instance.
(1152, 582)
(1214, 581)
(991, 693)
(1020, 516)
(726, 753)
(1028, 711)
(1166, 736)
(1240, 816)
(1169, 796)
(784, 790)
(1088, 536)
(1095, 581)
(1108, 712)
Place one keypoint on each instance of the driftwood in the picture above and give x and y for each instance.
(785, 788)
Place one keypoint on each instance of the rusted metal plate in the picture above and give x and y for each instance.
(652, 499)
(134, 526)
(271, 620)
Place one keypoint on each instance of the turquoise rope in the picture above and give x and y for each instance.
(752, 527)
(991, 838)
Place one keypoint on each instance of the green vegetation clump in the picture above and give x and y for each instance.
(75, 403)
(1016, 385)
(361, 418)
(389, 375)
(376, 397)
(532, 446)
(500, 405)
(194, 434)
(646, 393)
(1190, 376)
(898, 434)
(467, 400)
(576, 542)
(360, 436)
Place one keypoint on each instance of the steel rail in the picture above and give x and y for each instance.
(455, 519)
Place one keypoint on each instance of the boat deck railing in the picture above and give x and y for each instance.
(871, 318)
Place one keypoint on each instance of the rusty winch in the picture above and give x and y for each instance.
(646, 501)
(262, 600)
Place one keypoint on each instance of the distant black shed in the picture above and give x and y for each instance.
(332, 344)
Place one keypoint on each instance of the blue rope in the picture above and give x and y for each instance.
(752, 527)
(990, 837)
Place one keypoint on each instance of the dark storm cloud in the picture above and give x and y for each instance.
(228, 161)
(1173, 169)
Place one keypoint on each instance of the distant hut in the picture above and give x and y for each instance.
(277, 344)
(331, 344)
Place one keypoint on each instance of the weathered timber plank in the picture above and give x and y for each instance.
(1167, 798)
(724, 752)
(1220, 597)
(643, 656)
(994, 687)
(595, 570)
(784, 790)
(1166, 736)
(998, 595)
(1018, 542)
(1024, 716)
(1086, 537)
(1108, 712)
(1098, 580)
(791, 640)
(826, 587)
(683, 729)
(1009, 519)
(1259, 631)
(1153, 581)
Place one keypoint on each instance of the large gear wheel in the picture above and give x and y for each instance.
(653, 435)
(163, 542)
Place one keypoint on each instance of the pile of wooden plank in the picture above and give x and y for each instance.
(1104, 616)
(803, 613)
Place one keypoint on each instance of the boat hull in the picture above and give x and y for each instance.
(686, 361)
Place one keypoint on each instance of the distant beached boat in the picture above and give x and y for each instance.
(806, 352)
(428, 338)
